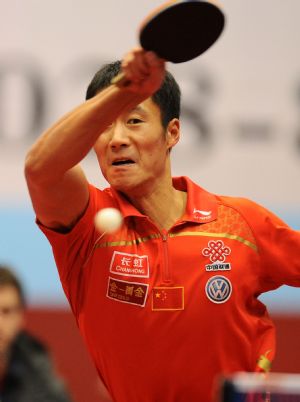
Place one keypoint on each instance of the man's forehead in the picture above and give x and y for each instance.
(138, 108)
(146, 106)
(8, 293)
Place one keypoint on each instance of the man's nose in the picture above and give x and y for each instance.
(119, 136)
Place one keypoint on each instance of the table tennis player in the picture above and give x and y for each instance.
(170, 300)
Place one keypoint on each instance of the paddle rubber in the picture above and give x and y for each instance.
(182, 30)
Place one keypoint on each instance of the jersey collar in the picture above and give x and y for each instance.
(201, 205)
(124, 205)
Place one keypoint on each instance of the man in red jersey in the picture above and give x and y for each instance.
(169, 301)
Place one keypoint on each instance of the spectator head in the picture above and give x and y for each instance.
(12, 304)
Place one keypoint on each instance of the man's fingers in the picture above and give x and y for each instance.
(138, 64)
(143, 70)
(153, 60)
(134, 65)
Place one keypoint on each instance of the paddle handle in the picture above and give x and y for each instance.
(120, 80)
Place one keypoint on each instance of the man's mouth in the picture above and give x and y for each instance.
(121, 162)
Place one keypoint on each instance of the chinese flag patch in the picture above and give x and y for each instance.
(168, 298)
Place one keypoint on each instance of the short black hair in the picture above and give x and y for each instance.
(167, 97)
(8, 278)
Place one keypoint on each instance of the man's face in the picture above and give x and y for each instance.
(133, 152)
(11, 316)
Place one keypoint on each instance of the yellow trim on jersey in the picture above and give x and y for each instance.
(223, 235)
(128, 242)
(157, 236)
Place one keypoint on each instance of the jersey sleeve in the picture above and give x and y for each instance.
(278, 246)
(72, 249)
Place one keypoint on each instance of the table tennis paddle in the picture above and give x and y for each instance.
(179, 31)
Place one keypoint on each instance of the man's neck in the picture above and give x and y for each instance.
(164, 205)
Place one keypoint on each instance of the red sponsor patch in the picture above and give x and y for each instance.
(168, 298)
(130, 265)
(127, 292)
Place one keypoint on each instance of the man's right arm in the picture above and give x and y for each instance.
(57, 185)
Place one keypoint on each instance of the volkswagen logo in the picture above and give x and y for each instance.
(218, 289)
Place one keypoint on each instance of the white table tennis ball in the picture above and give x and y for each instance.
(108, 220)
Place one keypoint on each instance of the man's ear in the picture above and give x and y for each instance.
(173, 133)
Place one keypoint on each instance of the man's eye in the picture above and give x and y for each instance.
(134, 121)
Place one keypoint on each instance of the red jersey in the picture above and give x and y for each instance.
(165, 312)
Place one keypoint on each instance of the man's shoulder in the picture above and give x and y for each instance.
(241, 203)
(105, 192)
(258, 217)
(249, 209)
(27, 345)
(102, 198)
(252, 212)
(32, 370)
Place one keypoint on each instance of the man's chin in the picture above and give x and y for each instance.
(123, 185)
(123, 188)
(131, 190)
